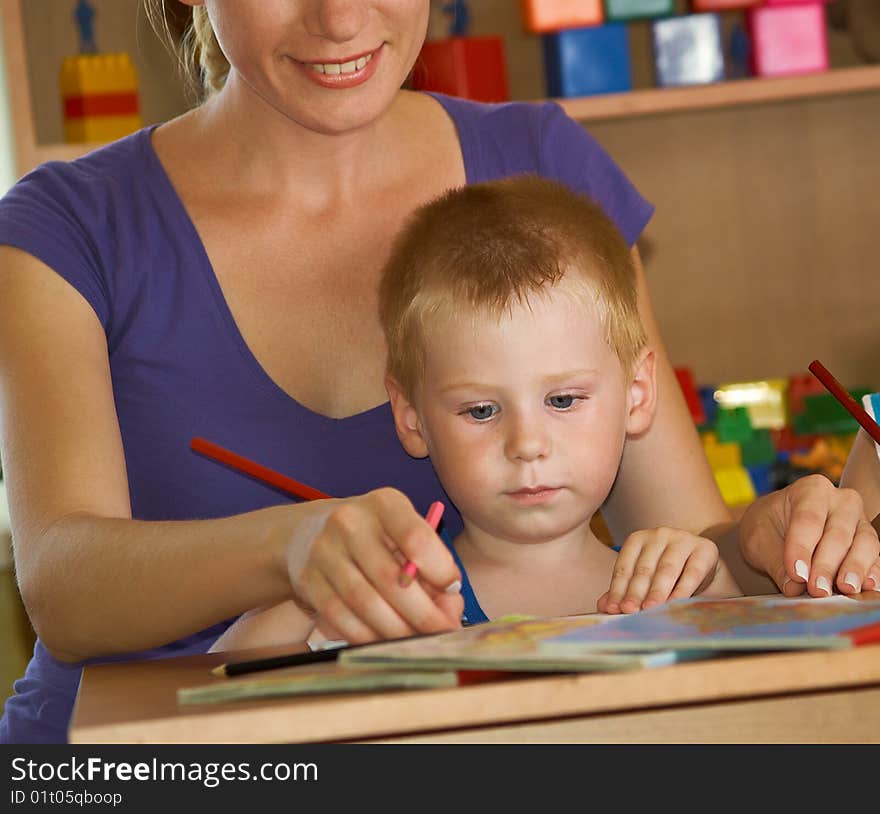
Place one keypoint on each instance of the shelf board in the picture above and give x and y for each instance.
(722, 94)
(655, 100)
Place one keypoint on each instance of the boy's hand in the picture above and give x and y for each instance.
(656, 565)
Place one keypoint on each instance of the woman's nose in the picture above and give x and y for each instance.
(338, 20)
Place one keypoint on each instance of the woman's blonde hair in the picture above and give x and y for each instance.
(187, 33)
(487, 247)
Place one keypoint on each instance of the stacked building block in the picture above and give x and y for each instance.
(638, 9)
(688, 50)
(762, 435)
(788, 38)
(587, 61)
(469, 67)
(100, 97)
(546, 16)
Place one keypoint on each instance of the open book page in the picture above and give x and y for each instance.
(744, 623)
(506, 644)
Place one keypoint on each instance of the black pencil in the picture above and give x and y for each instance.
(238, 668)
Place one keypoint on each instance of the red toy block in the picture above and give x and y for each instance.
(800, 385)
(788, 39)
(691, 396)
(469, 67)
(546, 16)
(722, 5)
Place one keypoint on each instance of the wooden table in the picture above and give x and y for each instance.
(801, 697)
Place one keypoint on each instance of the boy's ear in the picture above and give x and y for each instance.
(642, 401)
(406, 420)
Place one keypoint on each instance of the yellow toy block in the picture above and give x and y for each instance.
(764, 400)
(721, 455)
(735, 485)
(100, 128)
(100, 97)
(97, 73)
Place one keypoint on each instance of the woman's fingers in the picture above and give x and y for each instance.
(352, 573)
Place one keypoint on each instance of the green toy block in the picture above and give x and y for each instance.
(825, 415)
(638, 9)
(758, 449)
(733, 424)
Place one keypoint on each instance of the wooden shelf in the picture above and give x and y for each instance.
(722, 94)
(654, 101)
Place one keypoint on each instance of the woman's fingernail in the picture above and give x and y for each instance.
(453, 587)
(802, 570)
(852, 580)
(824, 585)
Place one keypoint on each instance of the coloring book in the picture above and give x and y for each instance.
(328, 677)
(744, 623)
(510, 644)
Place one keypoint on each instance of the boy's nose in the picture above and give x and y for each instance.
(337, 20)
(526, 440)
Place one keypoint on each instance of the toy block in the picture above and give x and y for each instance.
(723, 5)
(710, 406)
(764, 400)
(824, 414)
(800, 385)
(758, 449)
(588, 61)
(786, 440)
(99, 93)
(545, 16)
(733, 425)
(688, 50)
(686, 382)
(638, 9)
(469, 67)
(735, 485)
(720, 455)
(788, 39)
(761, 477)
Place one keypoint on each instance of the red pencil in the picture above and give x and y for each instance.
(852, 406)
(293, 487)
(249, 467)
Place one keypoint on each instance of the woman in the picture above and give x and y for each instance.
(215, 276)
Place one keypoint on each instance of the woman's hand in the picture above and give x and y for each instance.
(656, 565)
(350, 572)
(812, 536)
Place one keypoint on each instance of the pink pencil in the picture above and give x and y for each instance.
(410, 569)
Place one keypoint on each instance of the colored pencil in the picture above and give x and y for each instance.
(849, 403)
(237, 668)
(258, 471)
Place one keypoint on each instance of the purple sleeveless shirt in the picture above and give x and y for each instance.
(111, 224)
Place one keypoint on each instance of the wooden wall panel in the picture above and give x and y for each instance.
(762, 252)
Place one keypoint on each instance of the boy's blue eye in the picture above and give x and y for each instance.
(561, 402)
(482, 412)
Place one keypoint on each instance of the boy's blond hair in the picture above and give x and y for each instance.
(486, 247)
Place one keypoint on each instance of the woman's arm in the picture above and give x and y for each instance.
(96, 582)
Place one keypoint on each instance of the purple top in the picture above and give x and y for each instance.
(112, 225)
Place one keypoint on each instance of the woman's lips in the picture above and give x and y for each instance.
(348, 73)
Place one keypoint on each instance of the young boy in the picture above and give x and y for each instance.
(518, 363)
